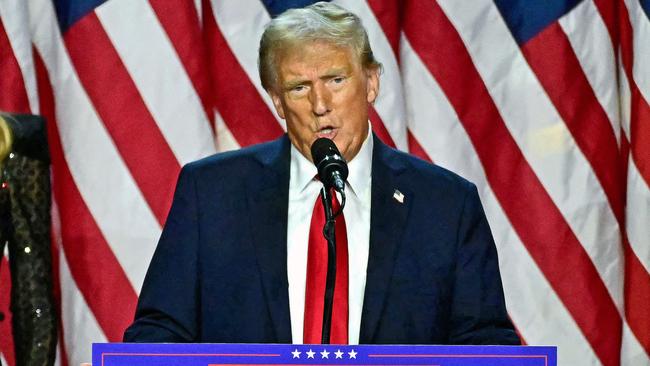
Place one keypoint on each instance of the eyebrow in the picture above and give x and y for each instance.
(334, 72)
(326, 75)
(293, 83)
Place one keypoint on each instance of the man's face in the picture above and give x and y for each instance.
(322, 90)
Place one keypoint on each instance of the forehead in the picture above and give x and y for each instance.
(315, 56)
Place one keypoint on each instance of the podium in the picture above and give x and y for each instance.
(189, 354)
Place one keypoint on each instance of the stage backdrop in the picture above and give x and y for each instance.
(544, 104)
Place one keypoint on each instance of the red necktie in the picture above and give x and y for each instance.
(316, 276)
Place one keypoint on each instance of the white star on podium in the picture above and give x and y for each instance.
(338, 353)
(324, 354)
(352, 354)
(310, 353)
(296, 353)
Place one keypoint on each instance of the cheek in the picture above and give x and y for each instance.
(299, 108)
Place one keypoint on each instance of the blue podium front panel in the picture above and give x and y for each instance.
(132, 354)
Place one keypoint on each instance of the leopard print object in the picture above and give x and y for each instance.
(25, 228)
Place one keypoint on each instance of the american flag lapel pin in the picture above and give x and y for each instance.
(398, 196)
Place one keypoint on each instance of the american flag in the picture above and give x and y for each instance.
(544, 104)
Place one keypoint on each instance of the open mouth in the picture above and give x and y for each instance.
(327, 132)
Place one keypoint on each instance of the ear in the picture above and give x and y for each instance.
(372, 84)
(277, 103)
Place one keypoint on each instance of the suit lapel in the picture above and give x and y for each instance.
(387, 221)
(268, 197)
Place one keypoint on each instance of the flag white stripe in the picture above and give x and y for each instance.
(542, 136)
(58, 360)
(199, 11)
(225, 140)
(15, 20)
(390, 101)
(96, 167)
(533, 305)
(586, 32)
(437, 135)
(638, 214)
(57, 245)
(243, 37)
(632, 353)
(638, 192)
(641, 28)
(166, 89)
(81, 328)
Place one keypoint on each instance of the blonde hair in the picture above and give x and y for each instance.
(321, 21)
(6, 139)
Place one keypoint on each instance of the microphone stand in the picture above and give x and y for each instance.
(329, 232)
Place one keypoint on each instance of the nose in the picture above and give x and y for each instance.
(321, 99)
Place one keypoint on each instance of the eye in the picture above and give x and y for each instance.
(298, 90)
(337, 82)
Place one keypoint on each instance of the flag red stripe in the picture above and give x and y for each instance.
(13, 96)
(556, 65)
(181, 22)
(415, 148)
(92, 263)
(6, 337)
(247, 116)
(637, 279)
(379, 128)
(56, 271)
(62, 345)
(640, 134)
(640, 113)
(608, 13)
(123, 112)
(388, 14)
(55, 246)
(549, 240)
(637, 297)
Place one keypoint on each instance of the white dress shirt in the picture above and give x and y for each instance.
(303, 192)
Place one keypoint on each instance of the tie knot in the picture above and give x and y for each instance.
(335, 200)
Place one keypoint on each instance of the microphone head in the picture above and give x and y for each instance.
(328, 161)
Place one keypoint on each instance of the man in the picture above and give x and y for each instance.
(232, 262)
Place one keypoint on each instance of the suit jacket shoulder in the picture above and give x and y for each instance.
(226, 227)
(421, 171)
(232, 167)
(433, 273)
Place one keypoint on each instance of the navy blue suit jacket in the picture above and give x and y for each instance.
(219, 273)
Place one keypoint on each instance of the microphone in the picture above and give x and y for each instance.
(332, 168)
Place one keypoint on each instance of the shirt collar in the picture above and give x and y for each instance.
(361, 167)
(303, 171)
